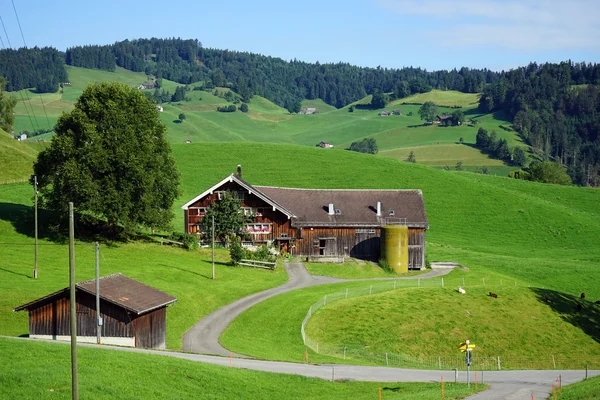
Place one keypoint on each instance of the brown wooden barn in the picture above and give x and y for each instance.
(322, 224)
(133, 314)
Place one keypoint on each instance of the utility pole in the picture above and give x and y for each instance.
(98, 317)
(213, 247)
(35, 251)
(74, 385)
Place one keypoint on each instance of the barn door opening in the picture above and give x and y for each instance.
(327, 247)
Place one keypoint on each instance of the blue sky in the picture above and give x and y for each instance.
(433, 34)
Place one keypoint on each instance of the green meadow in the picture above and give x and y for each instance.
(43, 371)
(524, 331)
(266, 122)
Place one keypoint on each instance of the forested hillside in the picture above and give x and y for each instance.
(39, 68)
(556, 109)
(186, 61)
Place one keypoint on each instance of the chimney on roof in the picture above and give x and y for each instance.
(239, 171)
(331, 210)
(379, 208)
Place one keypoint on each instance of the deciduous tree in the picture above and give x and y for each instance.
(428, 111)
(7, 105)
(111, 158)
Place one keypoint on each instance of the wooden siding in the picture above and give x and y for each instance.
(360, 243)
(416, 248)
(151, 329)
(279, 223)
(53, 318)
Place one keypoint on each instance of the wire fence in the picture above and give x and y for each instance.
(442, 362)
(11, 181)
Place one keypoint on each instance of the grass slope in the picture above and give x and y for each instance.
(16, 159)
(516, 325)
(447, 98)
(42, 371)
(184, 274)
(267, 122)
(588, 389)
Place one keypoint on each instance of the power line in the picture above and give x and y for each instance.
(20, 93)
(25, 43)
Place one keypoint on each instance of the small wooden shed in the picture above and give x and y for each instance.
(133, 314)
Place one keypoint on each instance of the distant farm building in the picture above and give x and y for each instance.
(325, 145)
(21, 137)
(320, 224)
(384, 113)
(66, 83)
(159, 108)
(308, 111)
(145, 86)
(397, 112)
(132, 313)
(188, 141)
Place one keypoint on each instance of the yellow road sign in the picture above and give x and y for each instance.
(463, 346)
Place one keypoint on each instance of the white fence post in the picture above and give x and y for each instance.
(346, 292)
(386, 360)
(325, 300)
(499, 363)
(317, 347)
(344, 352)
(442, 282)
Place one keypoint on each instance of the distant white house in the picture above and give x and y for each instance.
(384, 113)
(308, 111)
(325, 145)
(21, 137)
(159, 108)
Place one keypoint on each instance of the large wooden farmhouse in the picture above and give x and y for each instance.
(132, 314)
(319, 223)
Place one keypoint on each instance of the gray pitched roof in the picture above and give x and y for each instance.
(357, 207)
(118, 289)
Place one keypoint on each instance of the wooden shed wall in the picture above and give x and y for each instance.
(53, 319)
(151, 329)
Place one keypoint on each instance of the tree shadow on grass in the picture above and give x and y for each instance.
(87, 229)
(22, 218)
(581, 313)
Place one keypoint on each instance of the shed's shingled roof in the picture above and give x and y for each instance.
(121, 290)
(357, 207)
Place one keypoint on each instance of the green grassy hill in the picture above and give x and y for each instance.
(16, 158)
(42, 371)
(267, 122)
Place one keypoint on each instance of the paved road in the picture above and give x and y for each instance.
(203, 338)
(504, 385)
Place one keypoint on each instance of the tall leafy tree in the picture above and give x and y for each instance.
(7, 105)
(428, 111)
(378, 100)
(111, 158)
(549, 172)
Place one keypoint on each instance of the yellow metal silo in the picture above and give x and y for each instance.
(394, 247)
